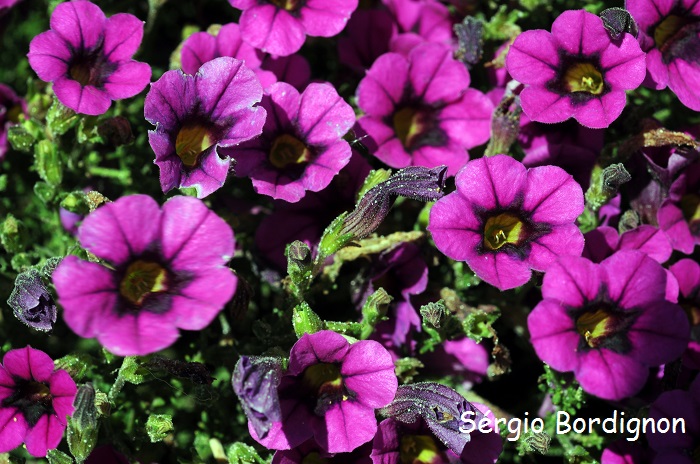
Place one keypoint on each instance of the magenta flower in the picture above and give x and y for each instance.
(201, 47)
(35, 400)
(369, 33)
(607, 322)
(301, 148)
(575, 71)
(280, 27)
(687, 273)
(679, 446)
(330, 392)
(669, 31)
(428, 19)
(603, 241)
(87, 56)
(679, 214)
(167, 271)
(419, 110)
(505, 220)
(196, 116)
(11, 107)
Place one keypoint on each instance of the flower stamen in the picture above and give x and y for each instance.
(191, 142)
(286, 150)
(141, 279)
(584, 77)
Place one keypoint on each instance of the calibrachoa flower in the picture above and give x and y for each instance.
(505, 220)
(369, 32)
(687, 272)
(301, 148)
(607, 322)
(575, 71)
(679, 214)
(280, 27)
(197, 115)
(35, 400)
(419, 110)
(669, 31)
(603, 241)
(87, 56)
(330, 392)
(167, 271)
(682, 446)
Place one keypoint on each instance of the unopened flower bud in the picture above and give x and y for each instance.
(83, 425)
(116, 131)
(470, 39)
(617, 21)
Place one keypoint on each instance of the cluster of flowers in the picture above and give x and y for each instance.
(244, 101)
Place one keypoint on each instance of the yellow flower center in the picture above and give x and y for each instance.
(592, 325)
(668, 28)
(502, 229)
(415, 449)
(141, 279)
(287, 150)
(192, 141)
(407, 124)
(289, 5)
(690, 205)
(323, 378)
(583, 77)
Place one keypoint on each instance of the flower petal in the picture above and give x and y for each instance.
(225, 86)
(500, 269)
(552, 195)
(80, 23)
(29, 364)
(123, 33)
(374, 383)
(492, 182)
(541, 105)
(324, 117)
(553, 335)
(346, 426)
(13, 429)
(272, 30)
(119, 230)
(46, 434)
(127, 80)
(326, 18)
(170, 100)
(572, 281)
(49, 56)
(580, 32)
(599, 113)
(660, 334)
(563, 240)
(137, 334)
(533, 58)
(610, 375)
(435, 76)
(634, 280)
(381, 91)
(321, 347)
(86, 100)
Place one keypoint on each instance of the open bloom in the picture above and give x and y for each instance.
(575, 71)
(505, 220)
(301, 148)
(669, 31)
(683, 445)
(607, 322)
(35, 400)
(280, 27)
(330, 392)
(167, 271)
(197, 115)
(87, 56)
(419, 110)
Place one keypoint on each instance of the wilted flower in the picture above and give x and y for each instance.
(87, 56)
(255, 381)
(34, 401)
(426, 411)
(607, 322)
(505, 220)
(198, 115)
(31, 301)
(167, 271)
(575, 71)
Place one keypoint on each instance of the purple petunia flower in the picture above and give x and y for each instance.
(505, 220)
(419, 110)
(428, 20)
(687, 273)
(680, 446)
(196, 116)
(309, 450)
(575, 71)
(330, 392)
(369, 33)
(669, 31)
(679, 213)
(301, 148)
(34, 401)
(167, 271)
(603, 241)
(87, 56)
(280, 27)
(11, 107)
(607, 322)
